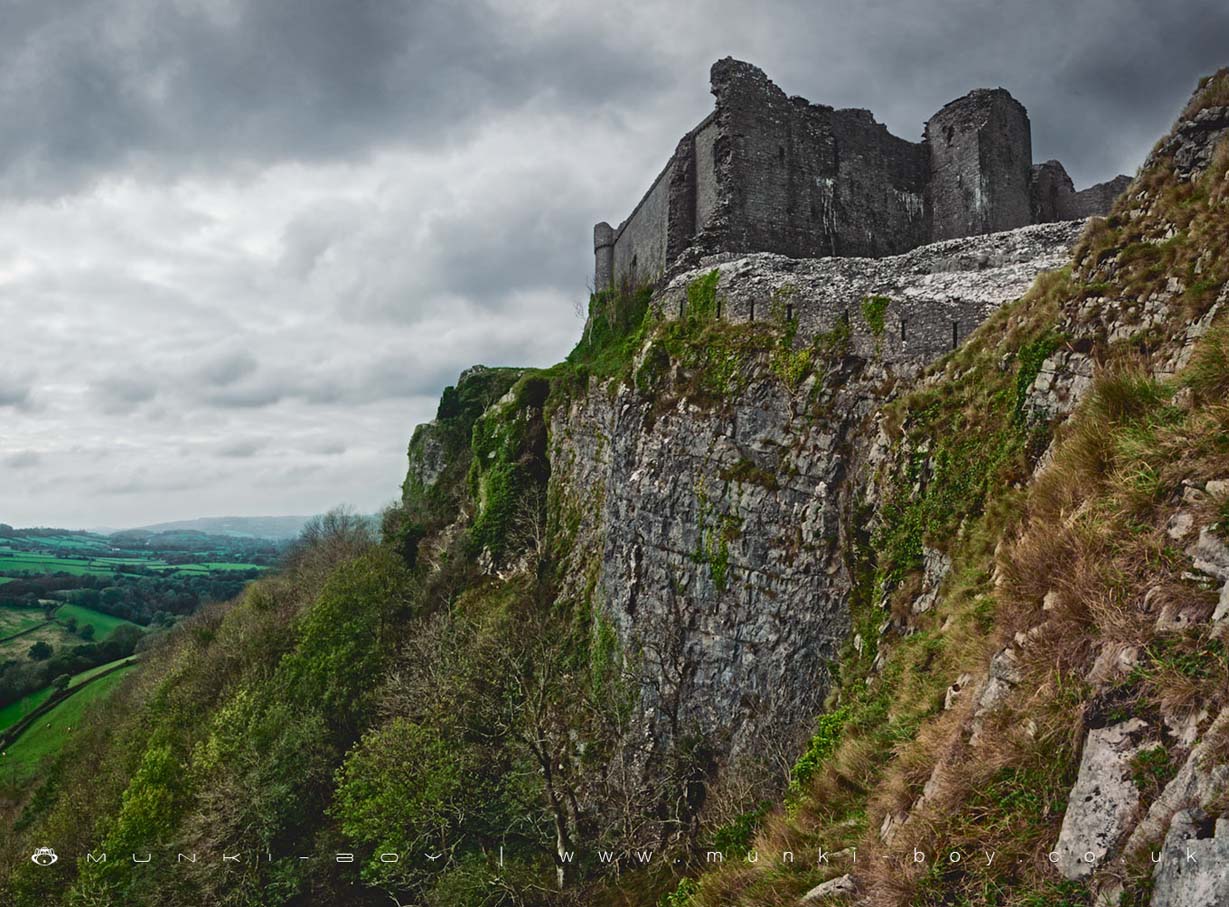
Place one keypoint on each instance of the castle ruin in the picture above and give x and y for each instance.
(769, 173)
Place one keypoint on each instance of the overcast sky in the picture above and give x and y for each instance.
(245, 243)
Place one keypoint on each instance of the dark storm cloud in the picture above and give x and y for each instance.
(104, 85)
(117, 84)
(226, 221)
(1102, 79)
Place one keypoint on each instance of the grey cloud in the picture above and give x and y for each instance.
(15, 392)
(242, 448)
(117, 83)
(327, 448)
(121, 393)
(140, 484)
(383, 377)
(23, 459)
(225, 369)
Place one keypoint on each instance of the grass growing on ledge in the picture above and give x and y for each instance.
(873, 310)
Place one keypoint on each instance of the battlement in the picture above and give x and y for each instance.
(769, 173)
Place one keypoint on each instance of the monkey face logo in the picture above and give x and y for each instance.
(44, 856)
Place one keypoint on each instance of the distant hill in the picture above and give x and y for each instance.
(261, 527)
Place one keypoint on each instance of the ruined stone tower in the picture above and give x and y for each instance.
(980, 151)
(769, 173)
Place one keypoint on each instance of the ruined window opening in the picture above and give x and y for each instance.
(902, 330)
(751, 310)
(781, 153)
(845, 317)
(955, 333)
(718, 308)
(789, 311)
(682, 307)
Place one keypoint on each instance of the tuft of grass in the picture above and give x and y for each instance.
(1207, 374)
(1151, 769)
(873, 310)
(747, 472)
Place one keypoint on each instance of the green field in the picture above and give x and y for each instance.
(21, 761)
(74, 563)
(81, 678)
(15, 711)
(102, 623)
(51, 632)
(15, 619)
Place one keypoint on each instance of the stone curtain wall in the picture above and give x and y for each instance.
(1055, 198)
(936, 295)
(640, 243)
(767, 172)
(806, 180)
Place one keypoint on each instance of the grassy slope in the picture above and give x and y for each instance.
(24, 757)
(15, 711)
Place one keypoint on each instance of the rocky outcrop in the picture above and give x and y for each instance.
(842, 887)
(1193, 870)
(712, 528)
(1103, 802)
(1193, 141)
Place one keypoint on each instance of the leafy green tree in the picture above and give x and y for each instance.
(403, 788)
(40, 651)
(344, 636)
(61, 682)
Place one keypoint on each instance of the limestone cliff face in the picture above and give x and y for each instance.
(715, 529)
(789, 460)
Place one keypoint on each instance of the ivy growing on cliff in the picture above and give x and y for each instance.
(874, 309)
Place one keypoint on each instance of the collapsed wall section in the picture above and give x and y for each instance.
(1054, 196)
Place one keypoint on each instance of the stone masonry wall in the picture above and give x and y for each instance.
(936, 295)
(770, 173)
(980, 165)
(1054, 196)
(805, 180)
(640, 244)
